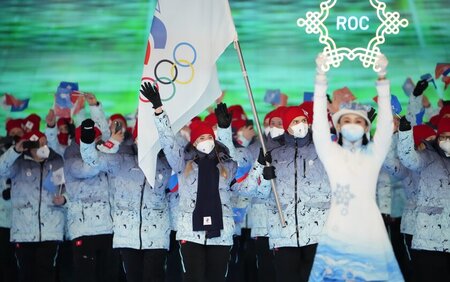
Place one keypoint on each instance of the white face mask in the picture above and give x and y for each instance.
(275, 132)
(205, 146)
(267, 131)
(43, 152)
(352, 132)
(300, 130)
(445, 146)
(244, 142)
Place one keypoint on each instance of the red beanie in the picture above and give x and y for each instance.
(278, 112)
(422, 132)
(135, 130)
(32, 122)
(63, 121)
(195, 119)
(199, 128)
(291, 113)
(237, 112)
(78, 133)
(211, 119)
(308, 106)
(13, 123)
(33, 135)
(238, 124)
(434, 120)
(118, 116)
(444, 126)
(444, 111)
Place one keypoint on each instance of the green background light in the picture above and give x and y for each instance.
(101, 45)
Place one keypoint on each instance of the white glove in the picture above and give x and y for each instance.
(321, 64)
(381, 65)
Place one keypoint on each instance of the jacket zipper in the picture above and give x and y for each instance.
(40, 200)
(296, 196)
(140, 214)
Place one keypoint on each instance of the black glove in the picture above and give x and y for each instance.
(371, 115)
(87, 131)
(269, 173)
(420, 87)
(71, 130)
(152, 94)
(6, 194)
(223, 117)
(405, 125)
(263, 159)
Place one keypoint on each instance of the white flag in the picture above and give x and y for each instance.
(185, 41)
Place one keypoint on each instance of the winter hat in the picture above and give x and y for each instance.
(238, 124)
(434, 120)
(444, 126)
(135, 130)
(118, 116)
(352, 108)
(34, 135)
(422, 132)
(199, 128)
(237, 112)
(211, 119)
(13, 123)
(63, 121)
(444, 111)
(308, 106)
(291, 113)
(32, 122)
(195, 119)
(78, 133)
(278, 112)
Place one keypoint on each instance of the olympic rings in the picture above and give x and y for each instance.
(174, 90)
(174, 76)
(178, 61)
(192, 72)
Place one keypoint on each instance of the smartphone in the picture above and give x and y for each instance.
(30, 144)
(118, 126)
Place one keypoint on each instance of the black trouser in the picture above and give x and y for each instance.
(397, 241)
(64, 263)
(265, 261)
(174, 270)
(204, 263)
(431, 266)
(36, 261)
(8, 265)
(94, 258)
(144, 265)
(409, 270)
(294, 264)
(242, 265)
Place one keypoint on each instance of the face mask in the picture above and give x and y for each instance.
(275, 132)
(43, 152)
(300, 130)
(63, 139)
(267, 131)
(445, 146)
(244, 142)
(352, 132)
(205, 146)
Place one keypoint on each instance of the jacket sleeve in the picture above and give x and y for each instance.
(98, 116)
(109, 163)
(414, 108)
(320, 126)
(8, 168)
(393, 166)
(254, 185)
(172, 149)
(242, 157)
(408, 156)
(52, 140)
(385, 125)
(77, 168)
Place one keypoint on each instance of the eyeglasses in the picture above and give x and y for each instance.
(443, 138)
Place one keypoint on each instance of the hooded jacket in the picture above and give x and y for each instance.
(140, 211)
(88, 197)
(178, 159)
(432, 226)
(34, 216)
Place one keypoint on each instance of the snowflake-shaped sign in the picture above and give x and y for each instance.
(342, 196)
(314, 23)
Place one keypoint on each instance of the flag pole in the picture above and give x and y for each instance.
(258, 125)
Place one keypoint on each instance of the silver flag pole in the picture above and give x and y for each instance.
(258, 125)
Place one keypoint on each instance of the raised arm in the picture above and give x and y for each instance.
(408, 156)
(98, 116)
(8, 159)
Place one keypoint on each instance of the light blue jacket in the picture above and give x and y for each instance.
(5, 207)
(432, 226)
(34, 217)
(304, 194)
(88, 197)
(140, 211)
(178, 159)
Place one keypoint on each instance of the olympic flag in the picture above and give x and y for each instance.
(185, 41)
